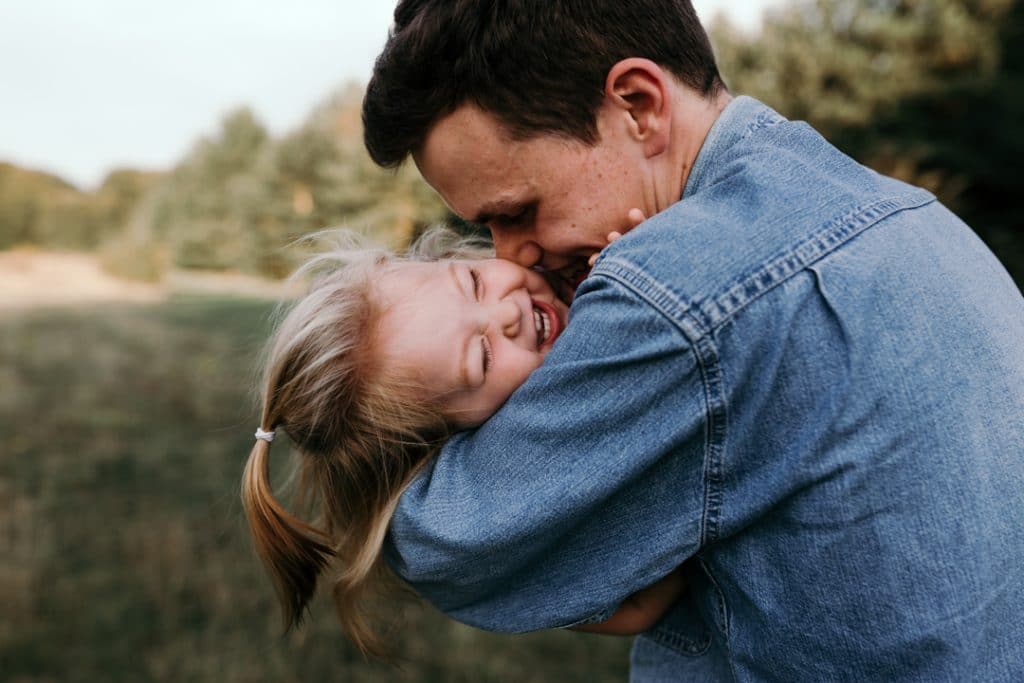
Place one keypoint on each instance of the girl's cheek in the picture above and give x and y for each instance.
(532, 363)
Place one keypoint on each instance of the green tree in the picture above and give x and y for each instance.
(41, 209)
(351, 190)
(121, 192)
(925, 90)
(241, 198)
(196, 211)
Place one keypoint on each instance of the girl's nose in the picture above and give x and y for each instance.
(506, 316)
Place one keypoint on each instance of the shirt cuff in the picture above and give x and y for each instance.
(603, 615)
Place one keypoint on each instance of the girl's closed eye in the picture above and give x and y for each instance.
(478, 284)
(488, 354)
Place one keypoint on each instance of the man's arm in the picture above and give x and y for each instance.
(586, 487)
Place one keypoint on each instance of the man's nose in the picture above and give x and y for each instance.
(516, 248)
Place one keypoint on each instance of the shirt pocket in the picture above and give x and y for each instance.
(683, 629)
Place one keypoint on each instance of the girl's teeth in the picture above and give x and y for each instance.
(543, 325)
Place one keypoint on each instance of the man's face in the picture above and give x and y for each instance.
(549, 201)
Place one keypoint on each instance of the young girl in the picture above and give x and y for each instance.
(369, 374)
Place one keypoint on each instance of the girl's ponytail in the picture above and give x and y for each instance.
(294, 552)
(361, 427)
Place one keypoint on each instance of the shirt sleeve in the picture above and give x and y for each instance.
(584, 488)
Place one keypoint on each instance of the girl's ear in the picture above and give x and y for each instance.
(640, 91)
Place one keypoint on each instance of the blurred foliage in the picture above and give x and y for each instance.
(236, 200)
(240, 197)
(123, 553)
(39, 208)
(928, 91)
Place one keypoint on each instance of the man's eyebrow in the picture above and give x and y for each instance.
(464, 353)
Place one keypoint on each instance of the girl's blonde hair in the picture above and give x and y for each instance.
(361, 430)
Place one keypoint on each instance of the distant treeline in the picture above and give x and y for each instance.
(42, 209)
(930, 91)
(236, 201)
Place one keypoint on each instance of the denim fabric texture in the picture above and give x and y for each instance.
(805, 381)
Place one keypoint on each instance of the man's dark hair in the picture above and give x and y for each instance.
(538, 66)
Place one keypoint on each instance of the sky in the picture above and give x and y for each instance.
(86, 87)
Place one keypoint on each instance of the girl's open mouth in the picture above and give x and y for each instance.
(547, 323)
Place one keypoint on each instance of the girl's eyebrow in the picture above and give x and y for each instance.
(455, 278)
(464, 354)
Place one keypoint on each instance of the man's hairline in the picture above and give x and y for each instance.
(510, 134)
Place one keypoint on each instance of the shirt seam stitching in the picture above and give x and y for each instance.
(706, 355)
(816, 246)
(699, 320)
(697, 326)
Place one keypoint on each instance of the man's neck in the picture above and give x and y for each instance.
(693, 116)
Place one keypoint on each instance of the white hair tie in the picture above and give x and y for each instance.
(265, 436)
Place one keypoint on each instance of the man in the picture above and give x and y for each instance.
(800, 380)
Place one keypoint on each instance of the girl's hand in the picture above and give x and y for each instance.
(642, 610)
(635, 218)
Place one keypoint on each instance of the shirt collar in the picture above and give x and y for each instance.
(735, 121)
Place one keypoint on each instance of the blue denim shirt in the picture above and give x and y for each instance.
(805, 381)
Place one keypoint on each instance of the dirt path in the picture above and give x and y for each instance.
(31, 279)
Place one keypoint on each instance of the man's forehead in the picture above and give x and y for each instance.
(475, 193)
(466, 147)
(464, 131)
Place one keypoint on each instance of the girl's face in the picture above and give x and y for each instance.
(472, 330)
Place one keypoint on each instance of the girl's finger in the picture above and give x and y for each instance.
(636, 217)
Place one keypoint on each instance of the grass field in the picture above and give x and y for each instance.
(123, 555)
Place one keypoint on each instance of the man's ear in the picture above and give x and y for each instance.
(641, 90)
